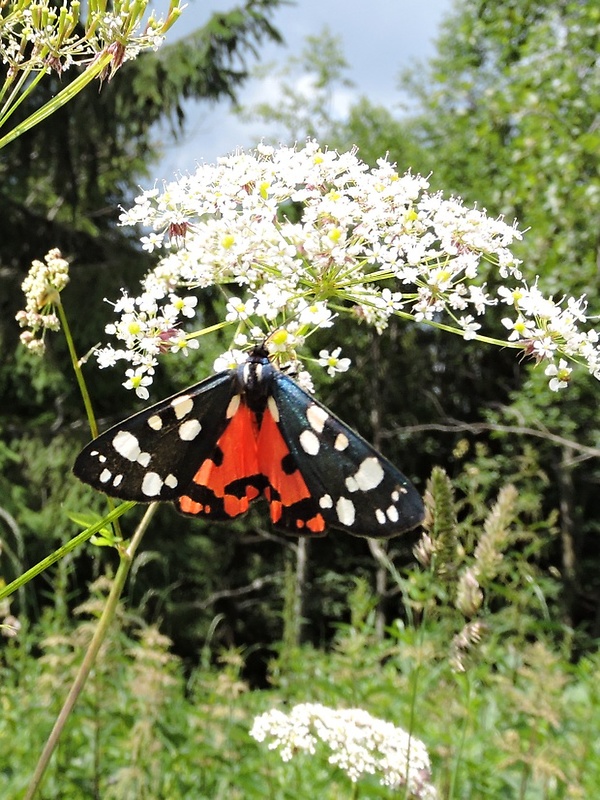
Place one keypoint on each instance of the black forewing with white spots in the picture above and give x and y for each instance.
(154, 454)
(355, 488)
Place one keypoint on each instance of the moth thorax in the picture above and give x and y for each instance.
(253, 380)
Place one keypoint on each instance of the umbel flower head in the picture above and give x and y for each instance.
(297, 236)
(360, 744)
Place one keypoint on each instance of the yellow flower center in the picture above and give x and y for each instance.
(280, 336)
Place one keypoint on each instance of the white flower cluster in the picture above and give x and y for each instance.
(146, 333)
(303, 235)
(549, 329)
(42, 286)
(359, 743)
(41, 35)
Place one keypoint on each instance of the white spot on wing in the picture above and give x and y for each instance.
(171, 481)
(317, 417)
(143, 459)
(380, 516)
(341, 442)
(396, 496)
(233, 406)
(102, 459)
(126, 445)
(152, 484)
(155, 422)
(392, 514)
(189, 429)
(345, 511)
(351, 484)
(117, 481)
(326, 501)
(309, 442)
(105, 476)
(182, 405)
(370, 474)
(273, 408)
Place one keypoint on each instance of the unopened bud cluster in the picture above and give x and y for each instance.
(42, 287)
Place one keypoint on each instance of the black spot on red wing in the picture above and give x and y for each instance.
(239, 488)
(217, 456)
(288, 465)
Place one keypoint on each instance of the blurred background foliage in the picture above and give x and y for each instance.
(507, 117)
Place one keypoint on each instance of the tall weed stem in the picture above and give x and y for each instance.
(126, 558)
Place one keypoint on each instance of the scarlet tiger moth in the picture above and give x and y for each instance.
(250, 432)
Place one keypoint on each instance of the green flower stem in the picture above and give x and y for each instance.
(462, 739)
(126, 559)
(63, 97)
(64, 549)
(13, 101)
(476, 337)
(87, 402)
(211, 329)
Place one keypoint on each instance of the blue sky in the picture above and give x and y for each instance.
(379, 39)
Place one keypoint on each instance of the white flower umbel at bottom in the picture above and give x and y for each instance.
(360, 744)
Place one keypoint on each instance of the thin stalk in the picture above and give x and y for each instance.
(414, 679)
(126, 558)
(461, 743)
(211, 329)
(85, 395)
(63, 97)
(64, 549)
(477, 337)
(13, 101)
